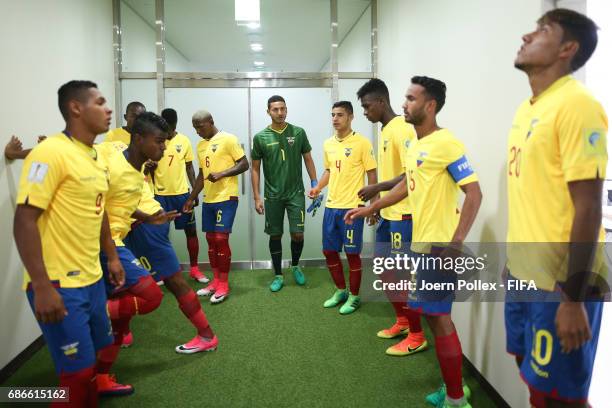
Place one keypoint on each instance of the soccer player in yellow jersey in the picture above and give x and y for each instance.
(128, 193)
(394, 232)
(122, 134)
(140, 294)
(221, 161)
(348, 160)
(59, 229)
(557, 161)
(436, 169)
(171, 189)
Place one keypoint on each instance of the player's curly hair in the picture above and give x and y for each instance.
(435, 88)
(148, 122)
(376, 87)
(576, 27)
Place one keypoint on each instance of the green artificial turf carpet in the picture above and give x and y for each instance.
(275, 350)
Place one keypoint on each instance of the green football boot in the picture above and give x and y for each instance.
(339, 296)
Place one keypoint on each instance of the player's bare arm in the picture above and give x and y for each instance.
(196, 188)
(397, 194)
(369, 191)
(310, 166)
(192, 179)
(316, 190)
(571, 320)
(159, 218)
(255, 177)
(48, 304)
(14, 149)
(116, 273)
(372, 180)
(471, 204)
(240, 167)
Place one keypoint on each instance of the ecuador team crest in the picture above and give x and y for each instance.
(178, 148)
(291, 140)
(348, 151)
(214, 147)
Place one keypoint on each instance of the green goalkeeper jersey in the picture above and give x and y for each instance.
(281, 154)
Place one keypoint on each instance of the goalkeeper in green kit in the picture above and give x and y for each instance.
(281, 147)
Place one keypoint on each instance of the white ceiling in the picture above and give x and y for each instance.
(295, 34)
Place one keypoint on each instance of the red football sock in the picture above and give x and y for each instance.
(193, 246)
(83, 391)
(191, 308)
(141, 298)
(400, 314)
(212, 254)
(354, 261)
(448, 350)
(334, 264)
(537, 398)
(108, 355)
(414, 320)
(224, 254)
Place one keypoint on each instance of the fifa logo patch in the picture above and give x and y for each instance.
(70, 350)
(178, 148)
(214, 147)
(291, 140)
(421, 158)
(348, 151)
(531, 126)
(595, 142)
(37, 173)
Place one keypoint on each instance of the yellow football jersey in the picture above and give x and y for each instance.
(347, 160)
(556, 138)
(148, 204)
(393, 142)
(118, 135)
(219, 153)
(63, 177)
(171, 174)
(124, 193)
(436, 166)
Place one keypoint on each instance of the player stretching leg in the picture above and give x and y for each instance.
(140, 294)
(221, 161)
(63, 180)
(436, 168)
(348, 158)
(395, 228)
(151, 245)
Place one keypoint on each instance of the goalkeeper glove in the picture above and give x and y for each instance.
(316, 202)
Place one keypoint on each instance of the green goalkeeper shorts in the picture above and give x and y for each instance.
(275, 214)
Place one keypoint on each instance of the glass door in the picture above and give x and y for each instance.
(309, 108)
(229, 108)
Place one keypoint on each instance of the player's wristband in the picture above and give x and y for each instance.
(313, 183)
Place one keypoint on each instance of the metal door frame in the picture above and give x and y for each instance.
(248, 80)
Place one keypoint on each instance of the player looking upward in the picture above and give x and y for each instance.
(557, 161)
